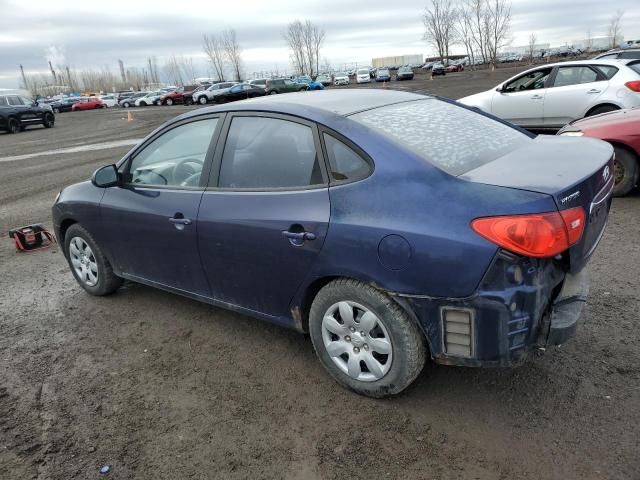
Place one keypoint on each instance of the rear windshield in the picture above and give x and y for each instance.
(453, 138)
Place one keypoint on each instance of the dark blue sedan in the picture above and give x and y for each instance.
(390, 226)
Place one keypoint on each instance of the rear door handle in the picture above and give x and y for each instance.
(180, 221)
(297, 239)
(536, 97)
(594, 90)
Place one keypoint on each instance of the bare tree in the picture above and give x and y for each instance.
(439, 21)
(464, 30)
(233, 52)
(172, 71)
(305, 41)
(588, 44)
(615, 32)
(498, 27)
(294, 37)
(532, 45)
(212, 47)
(188, 69)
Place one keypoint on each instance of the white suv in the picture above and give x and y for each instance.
(550, 96)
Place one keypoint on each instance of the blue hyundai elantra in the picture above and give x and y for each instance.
(388, 225)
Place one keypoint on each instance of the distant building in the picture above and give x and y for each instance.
(596, 43)
(397, 61)
(524, 49)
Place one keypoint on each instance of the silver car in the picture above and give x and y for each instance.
(205, 96)
(552, 95)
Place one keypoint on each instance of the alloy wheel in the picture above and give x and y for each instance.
(357, 341)
(618, 172)
(83, 261)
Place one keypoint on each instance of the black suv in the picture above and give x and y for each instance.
(18, 112)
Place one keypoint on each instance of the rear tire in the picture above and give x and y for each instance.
(602, 109)
(104, 282)
(273, 92)
(48, 120)
(13, 126)
(626, 171)
(169, 101)
(352, 349)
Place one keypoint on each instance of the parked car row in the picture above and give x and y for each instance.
(556, 96)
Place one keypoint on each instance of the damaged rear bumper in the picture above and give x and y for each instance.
(521, 304)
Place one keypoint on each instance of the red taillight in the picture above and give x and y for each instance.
(633, 85)
(533, 235)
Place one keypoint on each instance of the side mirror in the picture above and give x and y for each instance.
(500, 89)
(105, 177)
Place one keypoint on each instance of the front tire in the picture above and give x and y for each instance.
(88, 264)
(626, 171)
(365, 340)
(203, 100)
(126, 105)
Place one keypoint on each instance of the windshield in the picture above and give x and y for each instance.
(363, 71)
(383, 72)
(451, 137)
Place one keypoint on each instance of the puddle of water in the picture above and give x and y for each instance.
(80, 148)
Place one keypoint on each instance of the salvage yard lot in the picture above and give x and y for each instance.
(159, 386)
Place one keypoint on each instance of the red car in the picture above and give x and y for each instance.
(181, 95)
(88, 103)
(455, 68)
(621, 129)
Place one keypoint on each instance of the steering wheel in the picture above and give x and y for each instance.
(185, 170)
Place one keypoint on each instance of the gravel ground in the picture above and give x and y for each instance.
(159, 386)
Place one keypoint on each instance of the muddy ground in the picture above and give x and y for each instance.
(161, 387)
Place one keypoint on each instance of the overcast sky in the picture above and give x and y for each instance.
(90, 34)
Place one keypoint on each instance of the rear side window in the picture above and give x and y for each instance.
(266, 153)
(13, 100)
(610, 56)
(607, 70)
(574, 76)
(635, 66)
(631, 54)
(346, 164)
(3, 101)
(453, 138)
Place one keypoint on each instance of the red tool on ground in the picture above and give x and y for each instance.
(31, 238)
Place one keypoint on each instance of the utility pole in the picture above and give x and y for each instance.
(24, 78)
(122, 74)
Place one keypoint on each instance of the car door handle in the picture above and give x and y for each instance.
(297, 239)
(299, 235)
(536, 97)
(593, 90)
(180, 221)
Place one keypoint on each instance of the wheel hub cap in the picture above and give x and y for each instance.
(357, 341)
(83, 261)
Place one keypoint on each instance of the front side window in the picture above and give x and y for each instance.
(3, 101)
(14, 100)
(266, 153)
(175, 158)
(574, 76)
(346, 164)
(453, 138)
(531, 81)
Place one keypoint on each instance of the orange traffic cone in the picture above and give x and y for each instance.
(129, 116)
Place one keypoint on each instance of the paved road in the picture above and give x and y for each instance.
(158, 386)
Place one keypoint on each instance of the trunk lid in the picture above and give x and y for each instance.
(576, 172)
